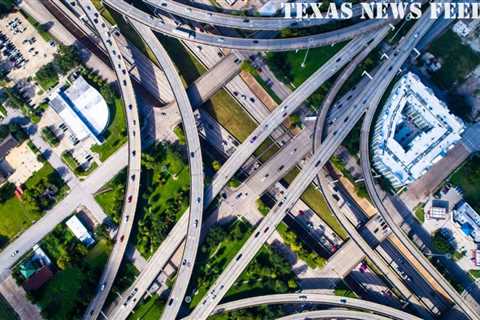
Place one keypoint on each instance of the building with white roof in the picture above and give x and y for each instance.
(83, 109)
(462, 28)
(414, 130)
(79, 230)
(469, 220)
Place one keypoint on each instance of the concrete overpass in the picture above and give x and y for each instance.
(196, 171)
(387, 214)
(257, 44)
(134, 159)
(238, 21)
(316, 298)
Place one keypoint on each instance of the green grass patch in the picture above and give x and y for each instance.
(165, 182)
(298, 246)
(262, 207)
(343, 290)
(474, 273)
(287, 66)
(149, 309)
(247, 66)
(420, 213)
(17, 215)
(178, 130)
(49, 136)
(116, 133)
(458, 59)
(47, 76)
(467, 178)
(230, 115)
(316, 201)
(267, 273)
(110, 196)
(219, 248)
(71, 163)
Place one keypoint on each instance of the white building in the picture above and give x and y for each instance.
(83, 109)
(469, 221)
(461, 28)
(414, 130)
(79, 230)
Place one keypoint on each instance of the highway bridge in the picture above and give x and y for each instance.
(388, 213)
(134, 159)
(196, 171)
(333, 140)
(316, 298)
(333, 314)
(253, 44)
(234, 163)
(259, 135)
(239, 21)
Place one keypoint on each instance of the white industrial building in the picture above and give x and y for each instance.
(414, 130)
(79, 230)
(83, 110)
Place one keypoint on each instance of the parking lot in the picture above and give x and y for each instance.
(22, 47)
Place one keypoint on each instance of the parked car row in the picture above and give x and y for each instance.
(10, 52)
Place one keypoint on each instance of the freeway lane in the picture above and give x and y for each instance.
(300, 183)
(316, 298)
(134, 156)
(388, 215)
(233, 164)
(237, 21)
(196, 170)
(333, 313)
(320, 127)
(287, 44)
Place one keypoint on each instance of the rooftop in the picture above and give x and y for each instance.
(414, 130)
(82, 108)
(79, 230)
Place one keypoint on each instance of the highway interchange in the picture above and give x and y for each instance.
(189, 226)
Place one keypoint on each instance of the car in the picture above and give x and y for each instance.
(343, 300)
(303, 297)
(122, 238)
(133, 177)
(126, 218)
(253, 139)
(102, 287)
(14, 253)
(130, 199)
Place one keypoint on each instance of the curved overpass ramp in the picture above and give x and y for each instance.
(333, 314)
(232, 165)
(134, 159)
(256, 44)
(196, 170)
(237, 21)
(316, 298)
(300, 183)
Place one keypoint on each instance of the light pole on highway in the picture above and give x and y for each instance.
(305, 58)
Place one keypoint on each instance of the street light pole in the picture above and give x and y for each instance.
(305, 58)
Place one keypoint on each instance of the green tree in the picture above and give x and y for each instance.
(216, 165)
(68, 58)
